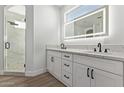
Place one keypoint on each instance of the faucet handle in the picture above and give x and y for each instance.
(95, 50)
(106, 50)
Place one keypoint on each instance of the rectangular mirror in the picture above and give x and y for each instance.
(89, 24)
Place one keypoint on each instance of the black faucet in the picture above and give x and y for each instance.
(100, 47)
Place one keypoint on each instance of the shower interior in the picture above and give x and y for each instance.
(14, 39)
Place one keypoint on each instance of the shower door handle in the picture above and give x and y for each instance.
(7, 45)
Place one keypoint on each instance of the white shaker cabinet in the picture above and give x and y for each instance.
(57, 67)
(67, 69)
(81, 77)
(94, 75)
(84, 76)
(104, 79)
(84, 71)
(50, 64)
(54, 64)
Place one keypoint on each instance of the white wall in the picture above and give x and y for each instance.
(1, 38)
(29, 40)
(46, 31)
(116, 28)
(116, 25)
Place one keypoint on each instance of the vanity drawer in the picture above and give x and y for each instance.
(112, 66)
(67, 78)
(67, 56)
(67, 66)
(54, 53)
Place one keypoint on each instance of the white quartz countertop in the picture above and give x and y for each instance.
(117, 56)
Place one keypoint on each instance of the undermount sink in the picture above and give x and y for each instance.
(91, 51)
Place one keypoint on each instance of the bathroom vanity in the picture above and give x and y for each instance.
(85, 68)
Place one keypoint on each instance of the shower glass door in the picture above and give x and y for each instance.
(14, 40)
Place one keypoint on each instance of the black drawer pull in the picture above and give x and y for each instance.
(66, 56)
(92, 74)
(66, 76)
(88, 72)
(66, 65)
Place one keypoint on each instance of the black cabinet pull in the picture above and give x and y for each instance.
(66, 65)
(92, 74)
(52, 59)
(66, 76)
(66, 56)
(24, 65)
(88, 72)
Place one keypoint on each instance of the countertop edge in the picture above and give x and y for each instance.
(89, 55)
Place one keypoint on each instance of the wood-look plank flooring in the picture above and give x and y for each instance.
(44, 80)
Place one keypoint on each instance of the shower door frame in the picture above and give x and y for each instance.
(4, 41)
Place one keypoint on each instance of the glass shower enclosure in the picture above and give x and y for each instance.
(14, 39)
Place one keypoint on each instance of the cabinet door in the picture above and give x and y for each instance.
(57, 67)
(81, 76)
(105, 79)
(50, 63)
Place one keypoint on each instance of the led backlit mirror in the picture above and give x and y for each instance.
(86, 22)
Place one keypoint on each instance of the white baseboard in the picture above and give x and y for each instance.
(31, 73)
(1, 73)
(35, 73)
